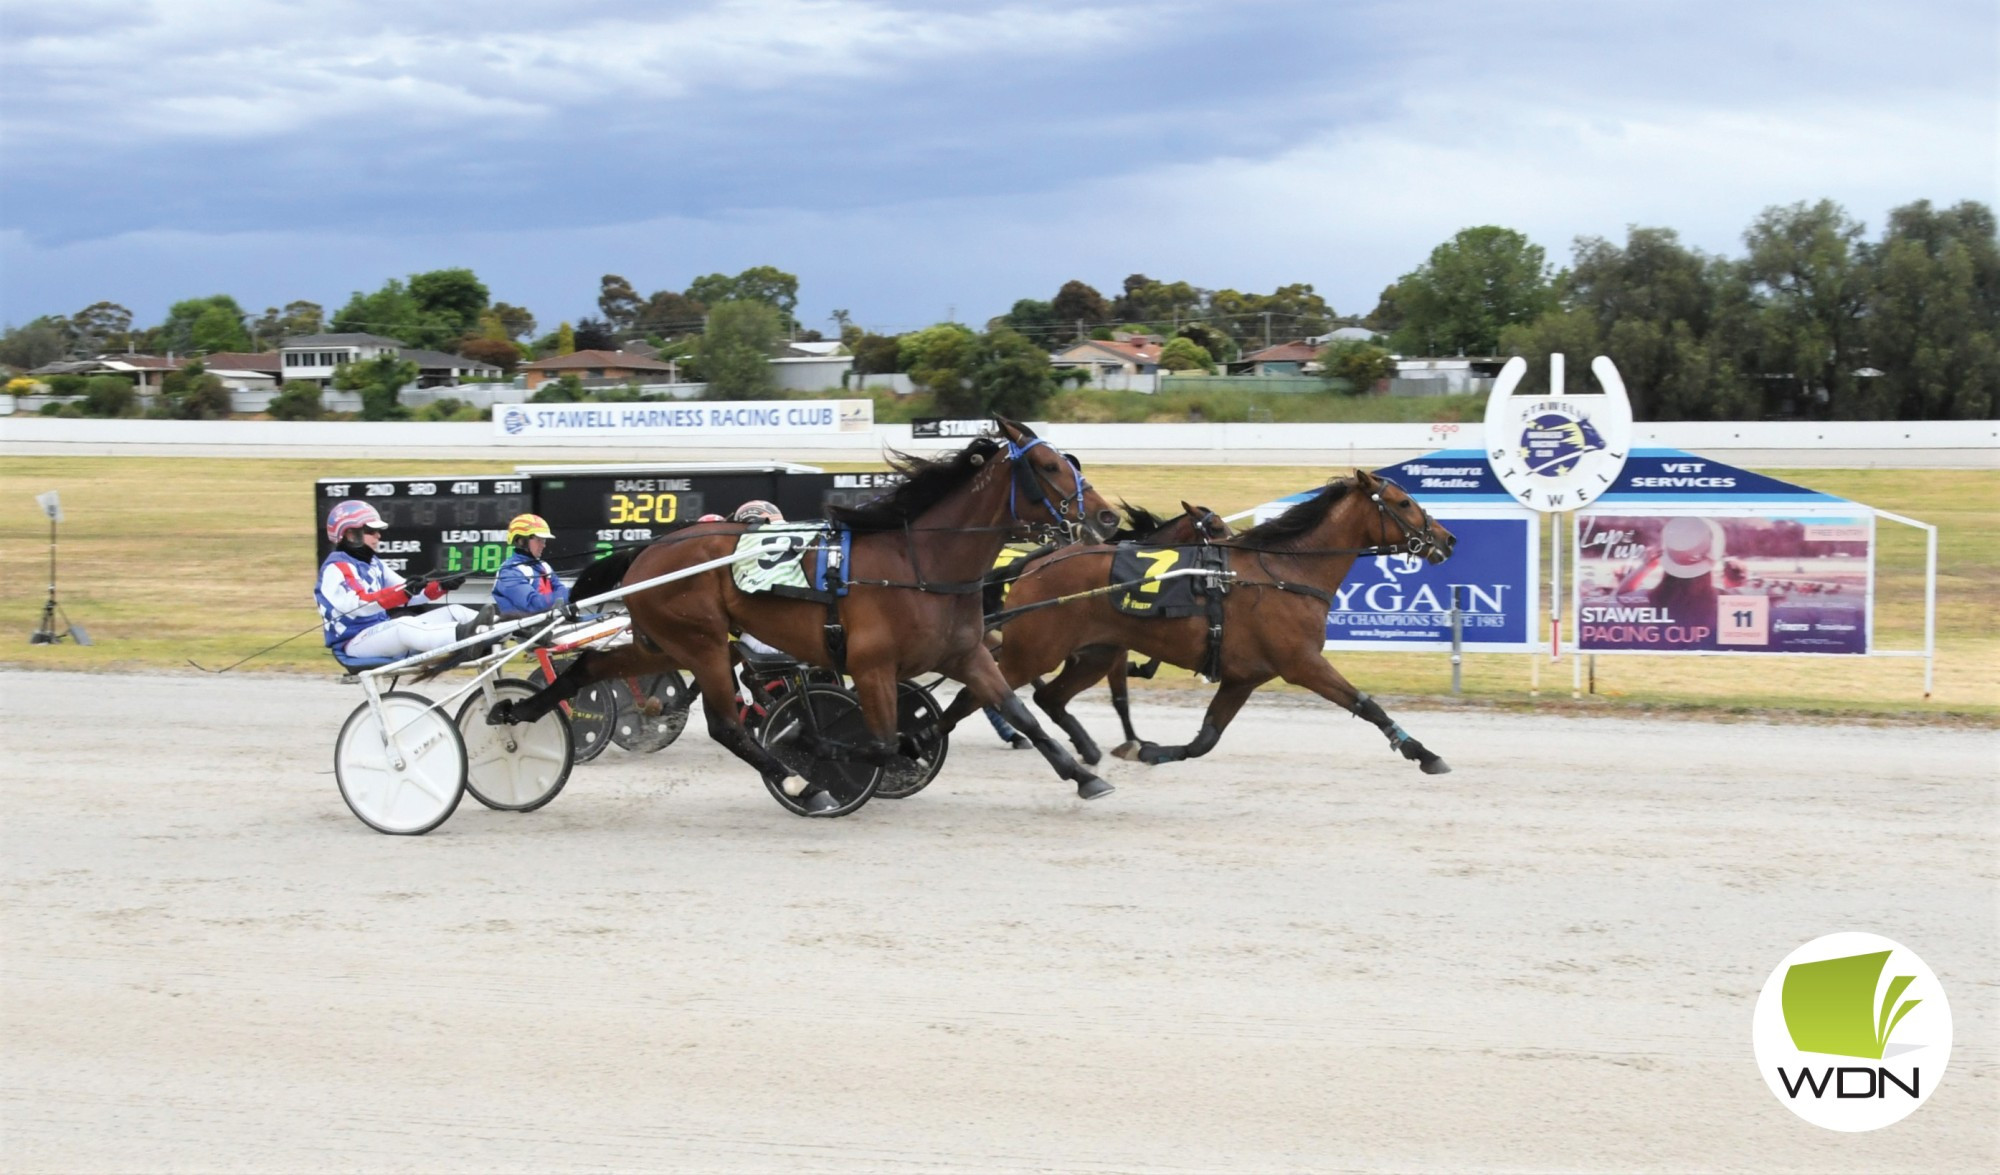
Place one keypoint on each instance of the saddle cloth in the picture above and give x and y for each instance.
(1170, 599)
(781, 566)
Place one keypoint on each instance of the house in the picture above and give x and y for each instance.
(437, 369)
(814, 349)
(313, 357)
(145, 371)
(599, 369)
(1295, 358)
(1108, 356)
(1345, 334)
(265, 363)
(1445, 377)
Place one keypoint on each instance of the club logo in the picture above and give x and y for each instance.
(514, 421)
(1852, 1032)
(1559, 451)
(1555, 441)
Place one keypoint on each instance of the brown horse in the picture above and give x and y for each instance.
(1283, 579)
(913, 605)
(1094, 663)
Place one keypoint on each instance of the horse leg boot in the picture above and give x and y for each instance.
(984, 681)
(1121, 701)
(567, 684)
(1222, 710)
(1085, 668)
(718, 694)
(1315, 674)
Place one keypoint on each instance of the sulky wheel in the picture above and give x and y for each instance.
(637, 731)
(921, 746)
(591, 714)
(408, 779)
(799, 739)
(513, 768)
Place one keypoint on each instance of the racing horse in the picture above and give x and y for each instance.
(1272, 620)
(912, 606)
(1094, 663)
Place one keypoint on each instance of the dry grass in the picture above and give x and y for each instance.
(167, 559)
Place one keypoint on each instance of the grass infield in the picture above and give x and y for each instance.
(167, 559)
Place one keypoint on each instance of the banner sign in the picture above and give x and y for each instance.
(686, 420)
(929, 427)
(1738, 579)
(1404, 602)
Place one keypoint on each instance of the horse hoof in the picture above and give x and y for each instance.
(1093, 788)
(1435, 766)
(1128, 751)
(795, 786)
(821, 804)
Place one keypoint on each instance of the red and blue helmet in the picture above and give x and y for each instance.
(352, 514)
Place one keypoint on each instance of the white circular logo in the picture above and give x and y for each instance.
(1557, 452)
(1852, 1031)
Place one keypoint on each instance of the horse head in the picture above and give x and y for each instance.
(1207, 525)
(1403, 524)
(1049, 487)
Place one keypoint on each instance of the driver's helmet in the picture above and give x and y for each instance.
(351, 516)
(525, 527)
(757, 510)
(711, 518)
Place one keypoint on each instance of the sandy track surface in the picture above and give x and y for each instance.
(1299, 953)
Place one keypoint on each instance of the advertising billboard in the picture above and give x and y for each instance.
(1403, 602)
(1739, 579)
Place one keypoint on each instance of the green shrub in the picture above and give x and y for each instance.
(192, 393)
(110, 395)
(448, 408)
(52, 408)
(67, 385)
(298, 400)
(565, 389)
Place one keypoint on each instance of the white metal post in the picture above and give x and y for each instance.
(1930, 607)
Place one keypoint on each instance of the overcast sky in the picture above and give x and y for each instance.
(913, 160)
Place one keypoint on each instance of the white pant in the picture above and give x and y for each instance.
(418, 632)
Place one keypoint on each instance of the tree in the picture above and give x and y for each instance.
(666, 315)
(380, 381)
(101, 327)
(1011, 376)
(1809, 282)
(192, 393)
(1482, 280)
(593, 334)
(214, 323)
(942, 358)
(501, 354)
(41, 341)
(1033, 318)
(761, 283)
(299, 399)
(1934, 315)
(1387, 317)
(1217, 343)
(1184, 354)
(877, 354)
(390, 312)
(1077, 307)
(1151, 302)
(450, 301)
(297, 318)
(566, 388)
(513, 322)
(1362, 365)
(565, 340)
(618, 301)
(736, 350)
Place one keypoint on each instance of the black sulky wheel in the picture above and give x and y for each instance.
(788, 732)
(921, 745)
(641, 733)
(591, 714)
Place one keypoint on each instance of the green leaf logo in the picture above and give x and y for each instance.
(1830, 1005)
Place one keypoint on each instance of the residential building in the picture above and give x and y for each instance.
(1110, 356)
(599, 369)
(1295, 358)
(145, 371)
(314, 357)
(437, 369)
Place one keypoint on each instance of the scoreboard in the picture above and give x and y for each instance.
(449, 525)
(458, 524)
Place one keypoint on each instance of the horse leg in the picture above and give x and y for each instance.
(1085, 668)
(590, 666)
(1314, 673)
(1121, 701)
(1222, 709)
(725, 726)
(988, 687)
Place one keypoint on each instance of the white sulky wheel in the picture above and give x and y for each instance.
(513, 768)
(407, 789)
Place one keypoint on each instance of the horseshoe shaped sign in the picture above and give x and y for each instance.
(1558, 452)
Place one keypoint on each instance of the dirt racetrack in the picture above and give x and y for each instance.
(1298, 953)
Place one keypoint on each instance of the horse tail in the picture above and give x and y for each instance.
(604, 575)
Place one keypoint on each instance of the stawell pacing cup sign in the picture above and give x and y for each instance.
(1707, 580)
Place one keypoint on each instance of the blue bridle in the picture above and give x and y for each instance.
(1068, 509)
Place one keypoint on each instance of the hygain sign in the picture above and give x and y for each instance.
(1557, 452)
(1852, 1032)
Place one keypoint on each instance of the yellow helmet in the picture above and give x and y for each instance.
(527, 526)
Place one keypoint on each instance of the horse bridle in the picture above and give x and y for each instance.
(1027, 477)
(1416, 541)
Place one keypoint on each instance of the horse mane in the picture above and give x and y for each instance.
(1287, 529)
(603, 575)
(928, 479)
(1141, 524)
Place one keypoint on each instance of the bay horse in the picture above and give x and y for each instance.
(1094, 663)
(1284, 575)
(913, 605)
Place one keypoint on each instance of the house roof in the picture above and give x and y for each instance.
(1293, 352)
(1129, 352)
(423, 358)
(110, 363)
(348, 340)
(243, 361)
(583, 359)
